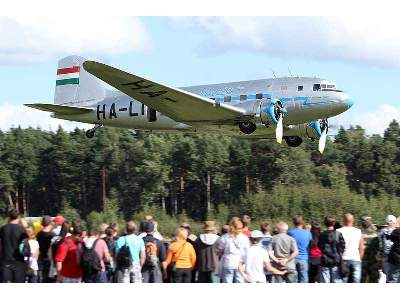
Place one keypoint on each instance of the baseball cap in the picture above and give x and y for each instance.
(148, 227)
(256, 234)
(390, 219)
(59, 220)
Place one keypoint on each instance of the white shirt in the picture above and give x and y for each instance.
(254, 263)
(34, 245)
(352, 237)
(233, 248)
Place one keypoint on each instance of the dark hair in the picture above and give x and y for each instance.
(78, 230)
(315, 232)
(298, 220)
(330, 221)
(46, 221)
(93, 232)
(264, 227)
(109, 232)
(245, 220)
(13, 214)
(65, 228)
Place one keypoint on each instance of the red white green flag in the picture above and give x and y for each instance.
(68, 76)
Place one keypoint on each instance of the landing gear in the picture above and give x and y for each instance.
(90, 133)
(247, 127)
(293, 141)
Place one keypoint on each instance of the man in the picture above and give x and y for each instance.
(303, 240)
(385, 241)
(332, 245)
(206, 253)
(101, 251)
(58, 221)
(44, 239)
(282, 251)
(155, 255)
(253, 262)
(394, 258)
(68, 257)
(12, 262)
(246, 220)
(137, 256)
(354, 248)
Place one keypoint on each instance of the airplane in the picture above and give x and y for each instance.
(286, 108)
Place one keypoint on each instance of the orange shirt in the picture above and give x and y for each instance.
(183, 254)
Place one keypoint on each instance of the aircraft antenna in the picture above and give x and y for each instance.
(273, 73)
(290, 72)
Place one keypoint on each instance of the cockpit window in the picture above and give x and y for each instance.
(316, 87)
(299, 88)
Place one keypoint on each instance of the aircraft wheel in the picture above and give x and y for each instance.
(247, 127)
(89, 133)
(293, 141)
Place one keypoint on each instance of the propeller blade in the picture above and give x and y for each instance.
(279, 130)
(322, 141)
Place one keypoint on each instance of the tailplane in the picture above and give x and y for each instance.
(75, 86)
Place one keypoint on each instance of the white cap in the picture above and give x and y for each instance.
(390, 219)
(255, 234)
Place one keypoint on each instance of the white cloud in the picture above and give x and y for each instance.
(13, 115)
(38, 38)
(374, 122)
(371, 39)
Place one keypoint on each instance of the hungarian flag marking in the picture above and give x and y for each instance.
(68, 76)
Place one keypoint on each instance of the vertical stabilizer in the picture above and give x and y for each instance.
(75, 86)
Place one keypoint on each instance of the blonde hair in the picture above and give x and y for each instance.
(181, 234)
(236, 226)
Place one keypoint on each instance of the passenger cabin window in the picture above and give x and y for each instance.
(283, 88)
(259, 96)
(316, 87)
(227, 99)
(243, 97)
(299, 88)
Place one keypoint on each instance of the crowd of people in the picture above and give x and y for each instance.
(67, 252)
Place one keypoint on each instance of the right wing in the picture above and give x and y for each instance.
(175, 103)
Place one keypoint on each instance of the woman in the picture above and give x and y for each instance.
(232, 246)
(182, 258)
(55, 242)
(315, 254)
(33, 266)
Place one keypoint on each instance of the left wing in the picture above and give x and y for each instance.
(175, 103)
(60, 109)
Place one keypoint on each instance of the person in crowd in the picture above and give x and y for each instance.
(181, 257)
(332, 245)
(58, 221)
(354, 248)
(67, 257)
(12, 261)
(385, 241)
(102, 230)
(44, 239)
(303, 239)
(314, 254)
(191, 239)
(206, 253)
(394, 258)
(246, 220)
(231, 247)
(282, 251)
(111, 241)
(93, 241)
(370, 262)
(130, 256)
(54, 244)
(265, 241)
(253, 262)
(152, 270)
(308, 226)
(32, 260)
(226, 228)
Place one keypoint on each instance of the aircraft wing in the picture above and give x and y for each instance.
(60, 109)
(175, 103)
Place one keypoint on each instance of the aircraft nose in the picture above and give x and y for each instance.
(346, 99)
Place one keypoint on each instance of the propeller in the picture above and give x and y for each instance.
(324, 132)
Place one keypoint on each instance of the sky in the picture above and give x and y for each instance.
(361, 54)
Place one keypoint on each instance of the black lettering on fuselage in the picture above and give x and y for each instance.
(137, 85)
(131, 113)
(113, 113)
(153, 94)
(142, 109)
(101, 111)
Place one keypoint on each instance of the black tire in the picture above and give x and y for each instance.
(89, 134)
(293, 141)
(247, 127)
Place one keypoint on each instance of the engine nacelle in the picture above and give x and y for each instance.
(311, 130)
(270, 111)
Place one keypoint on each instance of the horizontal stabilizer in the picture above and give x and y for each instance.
(60, 109)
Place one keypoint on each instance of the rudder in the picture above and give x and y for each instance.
(75, 86)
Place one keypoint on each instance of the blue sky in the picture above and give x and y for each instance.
(189, 51)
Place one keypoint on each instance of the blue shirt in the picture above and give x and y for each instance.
(303, 238)
(135, 243)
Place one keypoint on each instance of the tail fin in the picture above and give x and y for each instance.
(75, 86)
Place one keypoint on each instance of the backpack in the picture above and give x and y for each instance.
(124, 259)
(25, 249)
(151, 261)
(90, 261)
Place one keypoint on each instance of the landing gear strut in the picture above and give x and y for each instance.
(90, 133)
(247, 127)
